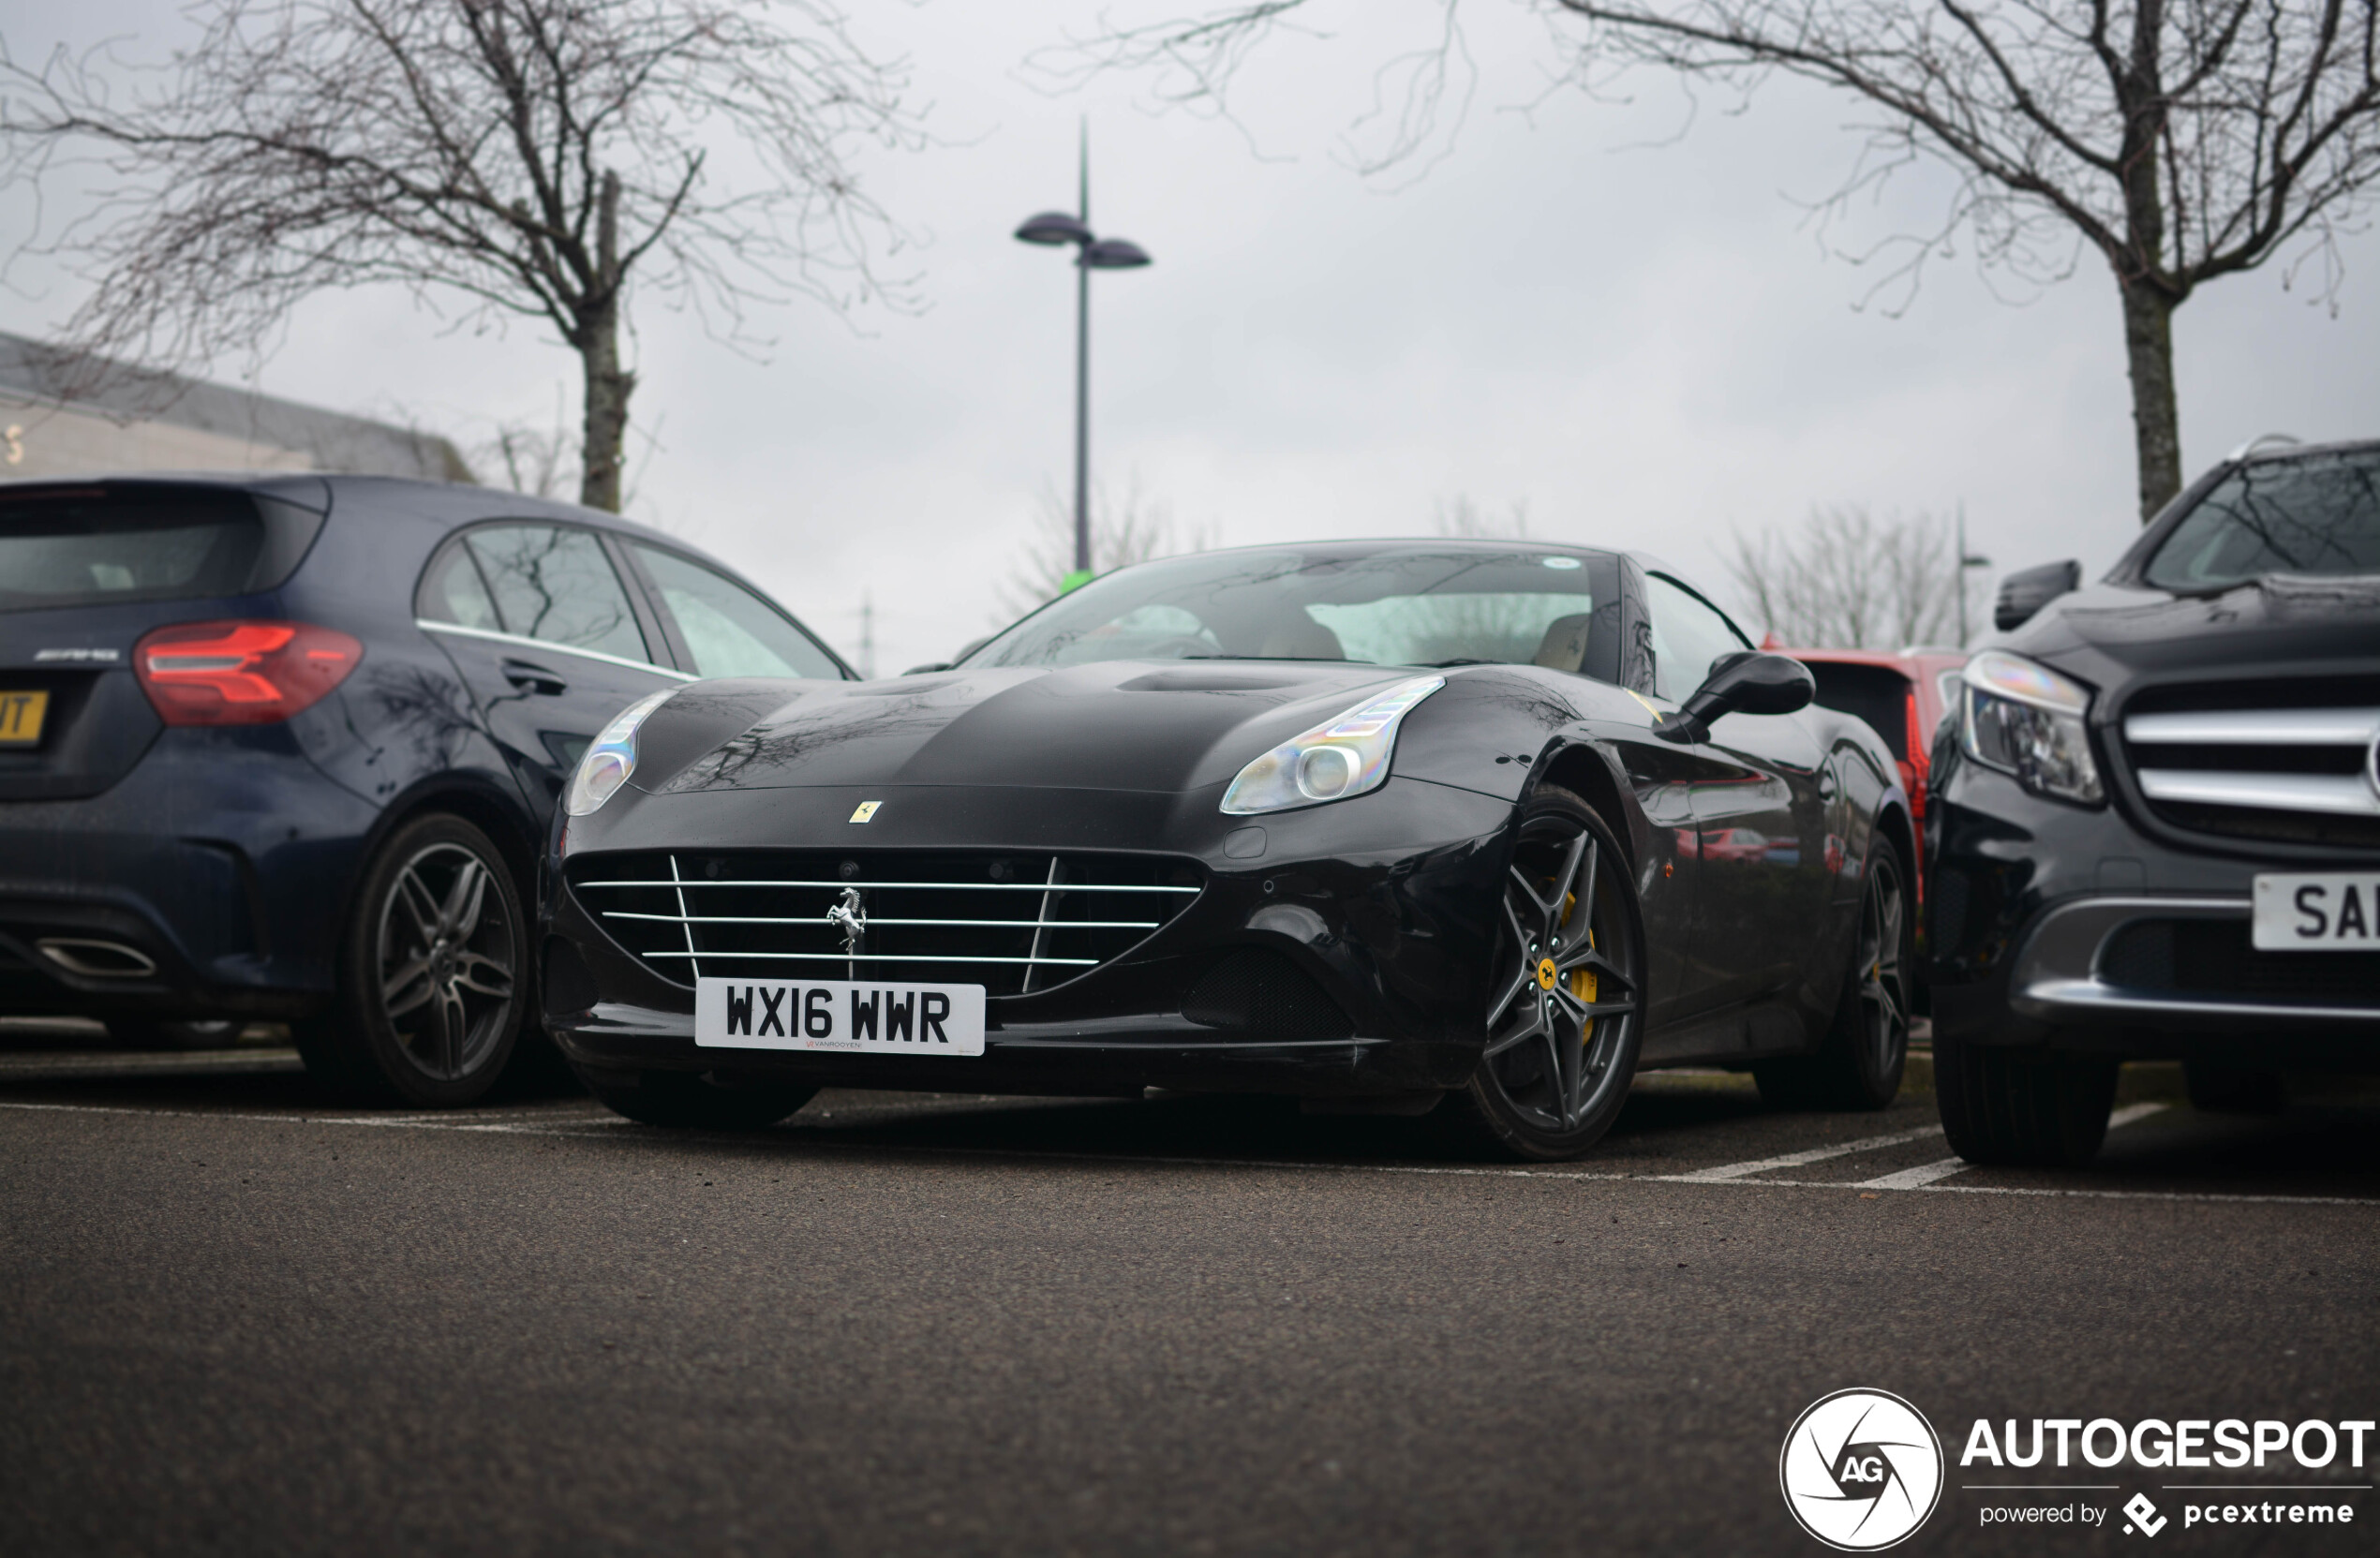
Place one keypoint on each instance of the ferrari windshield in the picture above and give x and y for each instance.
(2316, 514)
(1416, 603)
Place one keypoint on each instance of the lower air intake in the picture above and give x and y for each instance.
(2216, 960)
(1266, 996)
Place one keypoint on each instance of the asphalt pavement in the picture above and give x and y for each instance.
(241, 1319)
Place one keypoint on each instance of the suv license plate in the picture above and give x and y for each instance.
(843, 1017)
(2318, 912)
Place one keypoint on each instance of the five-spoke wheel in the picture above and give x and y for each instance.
(1858, 1064)
(431, 970)
(1565, 1016)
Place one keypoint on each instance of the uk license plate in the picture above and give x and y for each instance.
(839, 1015)
(2318, 912)
(21, 717)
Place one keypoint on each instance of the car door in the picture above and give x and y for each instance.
(1759, 816)
(548, 637)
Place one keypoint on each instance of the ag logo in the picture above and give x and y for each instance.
(1861, 1470)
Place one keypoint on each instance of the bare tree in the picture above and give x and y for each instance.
(1847, 580)
(1125, 528)
(2180, 140)
(530, 158)
(531, 460)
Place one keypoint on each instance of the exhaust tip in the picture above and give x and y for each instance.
(96, 959)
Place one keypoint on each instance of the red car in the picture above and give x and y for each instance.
(1904, 696)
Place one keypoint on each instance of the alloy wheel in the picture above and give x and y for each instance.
(444, 960)
(1567, 999)
(1883, 987)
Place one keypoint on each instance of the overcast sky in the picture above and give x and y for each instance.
(1646, 345)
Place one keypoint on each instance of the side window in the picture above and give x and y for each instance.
(455, 592)
(554, 582)
(1687, 634)
(728, 630)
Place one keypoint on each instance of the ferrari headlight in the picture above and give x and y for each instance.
(2026, 719)
(612, 758)
(1343, 757)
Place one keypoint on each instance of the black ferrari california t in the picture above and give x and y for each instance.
(1386, 824)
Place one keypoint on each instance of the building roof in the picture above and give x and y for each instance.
(71, 383)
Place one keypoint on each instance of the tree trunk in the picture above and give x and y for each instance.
(609, 387)
(597, 339)
(2156, 420)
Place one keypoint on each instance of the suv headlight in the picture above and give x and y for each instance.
(612, 758)
(2026, 719)
(1343, 757)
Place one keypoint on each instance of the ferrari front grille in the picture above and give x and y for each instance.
(1016, 924)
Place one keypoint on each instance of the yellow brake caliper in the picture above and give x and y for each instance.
(1582, 980)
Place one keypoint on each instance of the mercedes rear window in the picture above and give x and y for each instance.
(97, 548)
(2318, 515)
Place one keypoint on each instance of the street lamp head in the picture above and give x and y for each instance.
(1115, 254)
(1054, 227)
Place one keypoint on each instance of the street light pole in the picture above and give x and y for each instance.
(1082, 382)
(1093, 253)
(1965, 560)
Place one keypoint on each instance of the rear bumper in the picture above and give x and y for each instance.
(206, 882)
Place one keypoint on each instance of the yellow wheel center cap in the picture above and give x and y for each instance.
(1546, 973)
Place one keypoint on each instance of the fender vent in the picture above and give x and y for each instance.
(1266, 996)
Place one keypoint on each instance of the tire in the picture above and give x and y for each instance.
(433, 972)
(154, 1033)
(2233, 1089)
(2022, 1107)
(1564, 1023)
(700, 1100)
(1859, 1064)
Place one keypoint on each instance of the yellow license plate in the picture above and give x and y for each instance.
(20, 716)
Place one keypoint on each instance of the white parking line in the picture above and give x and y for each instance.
(1796, 1160)
(1919, 1178)
(1927, 1172)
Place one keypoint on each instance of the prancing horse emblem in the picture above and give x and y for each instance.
(852, 916)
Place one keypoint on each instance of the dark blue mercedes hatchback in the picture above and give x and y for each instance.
(287, 747)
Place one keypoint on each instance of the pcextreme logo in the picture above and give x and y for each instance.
(1861, 1470)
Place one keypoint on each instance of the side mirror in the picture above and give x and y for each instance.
(1746, 682)
(2023, 594)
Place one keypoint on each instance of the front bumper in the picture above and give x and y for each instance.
(2070, 928)
(1383, 902)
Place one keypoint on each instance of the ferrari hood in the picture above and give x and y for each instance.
(1145, 725)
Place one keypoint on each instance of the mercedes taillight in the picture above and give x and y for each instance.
(241, 673)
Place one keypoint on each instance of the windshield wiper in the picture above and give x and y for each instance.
(1462, 660)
